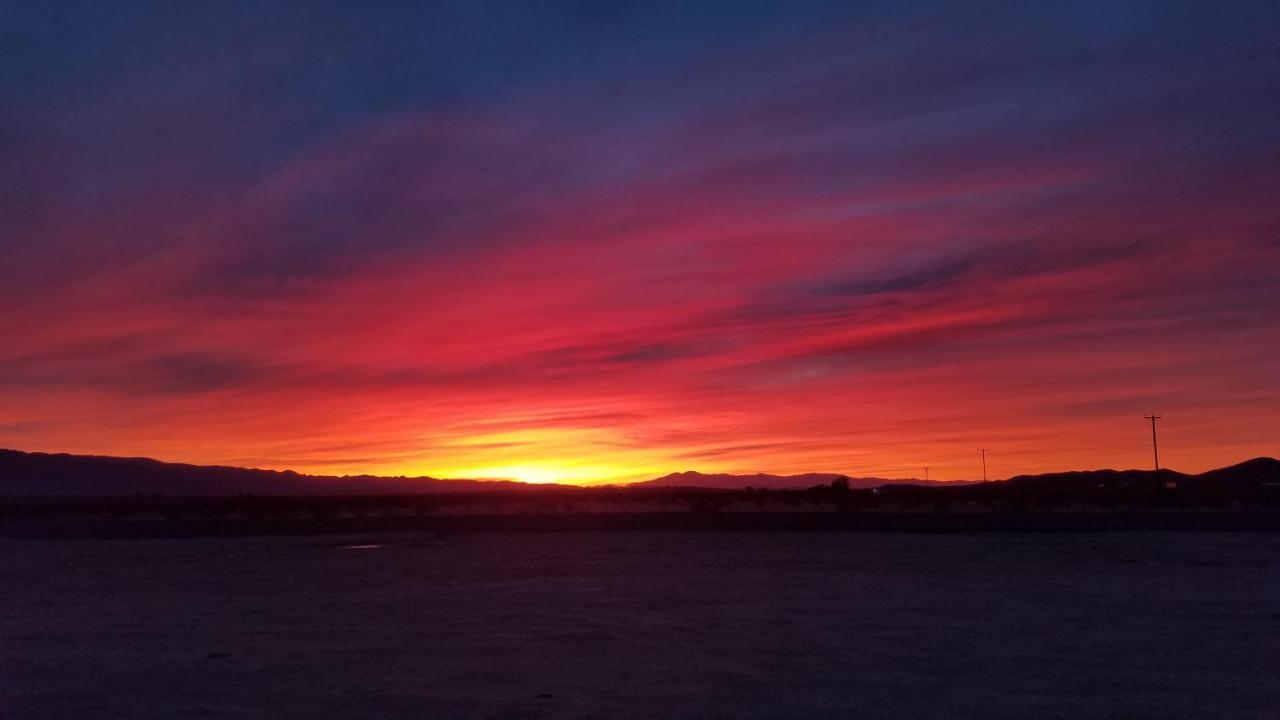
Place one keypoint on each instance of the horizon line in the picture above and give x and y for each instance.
(745, 474)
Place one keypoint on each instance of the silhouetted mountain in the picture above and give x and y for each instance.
(1254, 481)
(724, 481)
(1255, 472)
(1106, 479)
(24, 473)
(1249, 474)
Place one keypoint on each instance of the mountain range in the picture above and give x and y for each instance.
(23, 473)
(724, 481)
(1263, 471)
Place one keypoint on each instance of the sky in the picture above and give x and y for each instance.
(602, 241)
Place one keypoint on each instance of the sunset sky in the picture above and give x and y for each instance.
(600, 242)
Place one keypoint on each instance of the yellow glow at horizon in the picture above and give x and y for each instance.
(545, 455)
(541, 474)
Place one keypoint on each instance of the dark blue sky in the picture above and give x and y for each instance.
(561, 230)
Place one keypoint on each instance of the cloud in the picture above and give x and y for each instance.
(813, 237)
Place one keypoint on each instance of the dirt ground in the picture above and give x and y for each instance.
(644, 625)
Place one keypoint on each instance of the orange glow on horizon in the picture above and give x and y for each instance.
(851, 242)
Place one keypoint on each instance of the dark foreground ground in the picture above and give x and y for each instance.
(643, 625)
(444, 525)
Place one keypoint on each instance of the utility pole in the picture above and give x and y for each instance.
(1155, 448)
(926, 475)
(984, 464)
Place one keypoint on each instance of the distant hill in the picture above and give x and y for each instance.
(23, 473)
(1246, 482)
(1249, 474)
(1108, 479)
(723, 481)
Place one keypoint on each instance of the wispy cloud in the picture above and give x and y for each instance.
(807, 237)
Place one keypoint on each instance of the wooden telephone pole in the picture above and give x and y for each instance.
(1155, 448)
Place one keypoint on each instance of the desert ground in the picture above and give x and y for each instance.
(672, 624)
